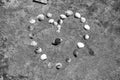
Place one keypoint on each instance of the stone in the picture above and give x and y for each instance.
(41, 1)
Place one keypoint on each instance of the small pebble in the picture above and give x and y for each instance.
(77, 15)
(86, 27)
(68, 60)
(31, 35)
(80, 45)
(59, 28)
(55, 23)
(38, 50)
(30, 28)
(60, 21)
(49, 15)
(58, 66)
(50, 65)
(41, 1)
(43, 57)
(75, 53)
(62, 16)
(32, 21)
(51, 21)
(83, 19)
(33, 43)
(41, 17)
(69, 13)
(86, 37)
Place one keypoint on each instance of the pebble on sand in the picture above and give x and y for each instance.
(43, 57)
(41, 1)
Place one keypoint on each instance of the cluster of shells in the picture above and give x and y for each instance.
(57, 26)
(46, 37)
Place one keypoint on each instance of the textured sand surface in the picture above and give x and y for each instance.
(98, 59)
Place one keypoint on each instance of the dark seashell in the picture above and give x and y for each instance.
(68, 60)
(58, 66)
(75, 53)
(91, 52)
(56, 42)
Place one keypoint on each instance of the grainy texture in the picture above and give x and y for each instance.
(99, 59)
